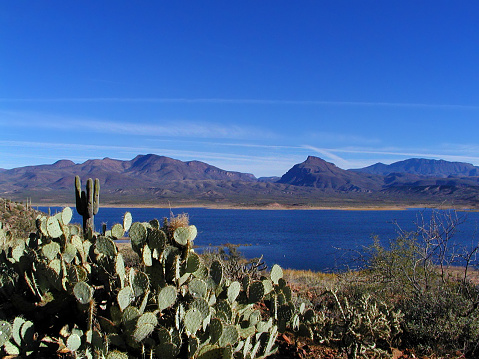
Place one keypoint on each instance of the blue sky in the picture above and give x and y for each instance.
(252, 86)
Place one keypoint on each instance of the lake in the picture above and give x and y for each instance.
(320, 240)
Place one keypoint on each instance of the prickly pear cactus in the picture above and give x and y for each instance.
(70, 290)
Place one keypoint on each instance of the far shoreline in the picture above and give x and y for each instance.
(273, 206)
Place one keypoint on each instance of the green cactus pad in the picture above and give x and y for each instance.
(66, 215)
(154, 223)
(138, 236)
(166, 297)
(276, 273)
(255, 317)
(230, 336)
(263, 327)
(120, 268)
(216, 272)
(148, 318)
(69, 253)
(146, 256)
(143, 331)
(53, 227)
(193, 320)
(202, 306)
(130, 316)
(224, 311)
(18, 251)
(73, 342)
(193, 262)
(139, 283)
(216, 330)
(11, 349)
(210, 352)
(197, 288)
(83, 292)
(5, 332)
(106, 246)
(117, 231)
(268, 286)
(183, 235)
(43, 225)
(115, 354)
(127, 220)
(125, 297)
(233, 291)
(157, 240)
(51, 250)
(16, 330)
(256, 292)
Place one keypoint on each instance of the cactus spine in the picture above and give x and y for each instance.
(87, 202)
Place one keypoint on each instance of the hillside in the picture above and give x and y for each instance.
(423, 167)
(162, 181)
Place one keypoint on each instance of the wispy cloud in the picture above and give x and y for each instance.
(244, 101)
(176, 128)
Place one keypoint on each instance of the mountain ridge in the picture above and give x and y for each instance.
(151, 178)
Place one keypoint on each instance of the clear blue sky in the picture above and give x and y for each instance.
(253, 86)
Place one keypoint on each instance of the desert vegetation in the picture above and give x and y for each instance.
(69, 291)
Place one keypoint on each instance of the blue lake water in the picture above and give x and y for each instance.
(320, 240)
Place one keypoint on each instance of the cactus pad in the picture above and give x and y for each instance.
(210, 352)
(192, 263)
(167, 350)
(117, 231)
(73, 342)
(51, 250)
(139, 282)
(256, 292)
(66, 215)
(115, 354)
(138, 236)
(216, 272)
(193, 320)
(230, 336)
(106, 246)
(5, 332)
(197, 288)
(125, 297)
(141, 332)
(83, 292)
(276, 273)
(127, 219)
(53, 227)
(166, 297)
(183, 235)
(216, 330)
(233, 291)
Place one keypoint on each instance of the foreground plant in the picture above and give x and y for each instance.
(65, 290)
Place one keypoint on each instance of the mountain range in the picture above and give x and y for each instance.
(159, 180)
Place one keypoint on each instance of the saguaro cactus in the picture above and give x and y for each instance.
(87, 203)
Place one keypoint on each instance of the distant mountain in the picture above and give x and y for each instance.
(423, 167)
(270, 179)
(315, 172)
(159, 180)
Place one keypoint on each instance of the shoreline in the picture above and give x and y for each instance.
(273, 206)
